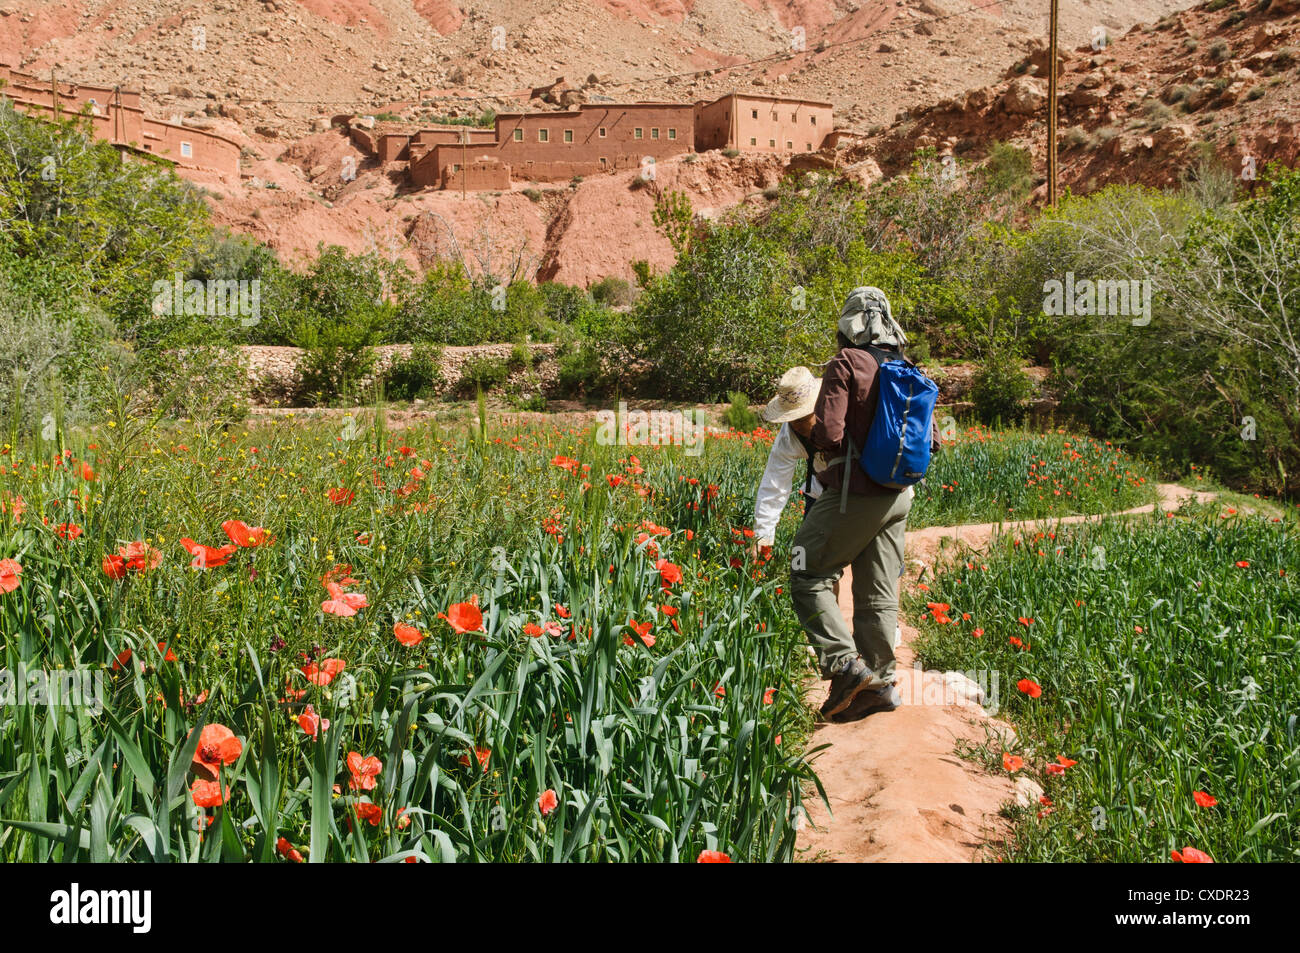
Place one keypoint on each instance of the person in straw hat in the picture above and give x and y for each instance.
(855, 522)
(792, 408)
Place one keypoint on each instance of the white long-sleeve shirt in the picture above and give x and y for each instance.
(774, 488)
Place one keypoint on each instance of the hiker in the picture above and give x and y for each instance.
(860, 522)
(792, 408)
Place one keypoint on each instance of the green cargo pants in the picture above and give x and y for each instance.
(869, 537)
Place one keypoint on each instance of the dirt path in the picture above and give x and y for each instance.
(898, 790)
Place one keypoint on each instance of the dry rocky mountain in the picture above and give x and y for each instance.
(284, 77)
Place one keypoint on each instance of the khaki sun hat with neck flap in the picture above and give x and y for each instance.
(796, 396)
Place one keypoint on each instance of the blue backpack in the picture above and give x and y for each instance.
(897, 453)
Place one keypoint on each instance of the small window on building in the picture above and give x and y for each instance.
(753, 114)
(789, 146)
(603, 162)
(519, 135)
(812, 119)
(771, 143)
(568, 135)
(543, 135)
(654, 132)
(187, 150)
(753, 141)
(602, 132)
(794, 117)
(808, 146)
(672, 133)
(637, 133)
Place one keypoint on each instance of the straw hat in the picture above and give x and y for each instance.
(796, 396)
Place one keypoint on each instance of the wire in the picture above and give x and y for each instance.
(773, 58)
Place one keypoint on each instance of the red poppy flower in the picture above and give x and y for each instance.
(408, 635)
(1190, 855)
(1243, 564)
(464, 616)
(642, 629)
(209, 794)
(768, 696)
(977, 632)
(1012, 763)
(482, 754)
(87, 472)
(217, 746)
(323, 673)
(10, 574)
(241, 534)
(114, 566)
(548, 802)
(67, 531)
(364, 771)
(167, 654)
(342, 603)
(712, 857)
(340, 495)
(669, 573)
(288, 851)
(207, 557)
(1029, 687)
(372, 813)
(562, 612)
(312, 723)
(1204, 800)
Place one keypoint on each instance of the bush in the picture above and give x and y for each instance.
(738, 415)
(336, 363)
(613, 292)
(579, 372)
(416, 375)
(482, 373)
(1010, 170)
(1000, 388)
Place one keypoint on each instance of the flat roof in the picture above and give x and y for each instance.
(605, 106)
(766, 98)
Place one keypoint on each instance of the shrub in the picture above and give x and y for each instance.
(416, 375)
(1220, 50)
(580, 372)
(738, 415)
(1009, 170)
(482, 373)
(612, 291)
(1000, 388)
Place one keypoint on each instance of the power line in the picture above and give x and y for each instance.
(772, 58)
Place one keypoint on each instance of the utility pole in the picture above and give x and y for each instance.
(1051, 109)
(54, 92)
(464, 162)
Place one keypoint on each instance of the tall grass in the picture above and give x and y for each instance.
(1166, 651)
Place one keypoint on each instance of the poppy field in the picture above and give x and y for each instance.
(1151, 669)
(325, 643)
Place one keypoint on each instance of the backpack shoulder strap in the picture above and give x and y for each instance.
(884, 354)
(812, 452)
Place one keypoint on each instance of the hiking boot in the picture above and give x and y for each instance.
(851, 679)
(869, 701)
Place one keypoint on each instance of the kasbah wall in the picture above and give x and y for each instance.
(116, 117)
(597, 137)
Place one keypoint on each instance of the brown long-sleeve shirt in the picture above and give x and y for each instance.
(847, 406)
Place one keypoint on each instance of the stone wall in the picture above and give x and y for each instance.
(273, 370)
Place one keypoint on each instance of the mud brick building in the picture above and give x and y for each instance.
(750, 123)
(591, 138)
(117, 117)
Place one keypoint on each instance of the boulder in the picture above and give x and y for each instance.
(1024, 97)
